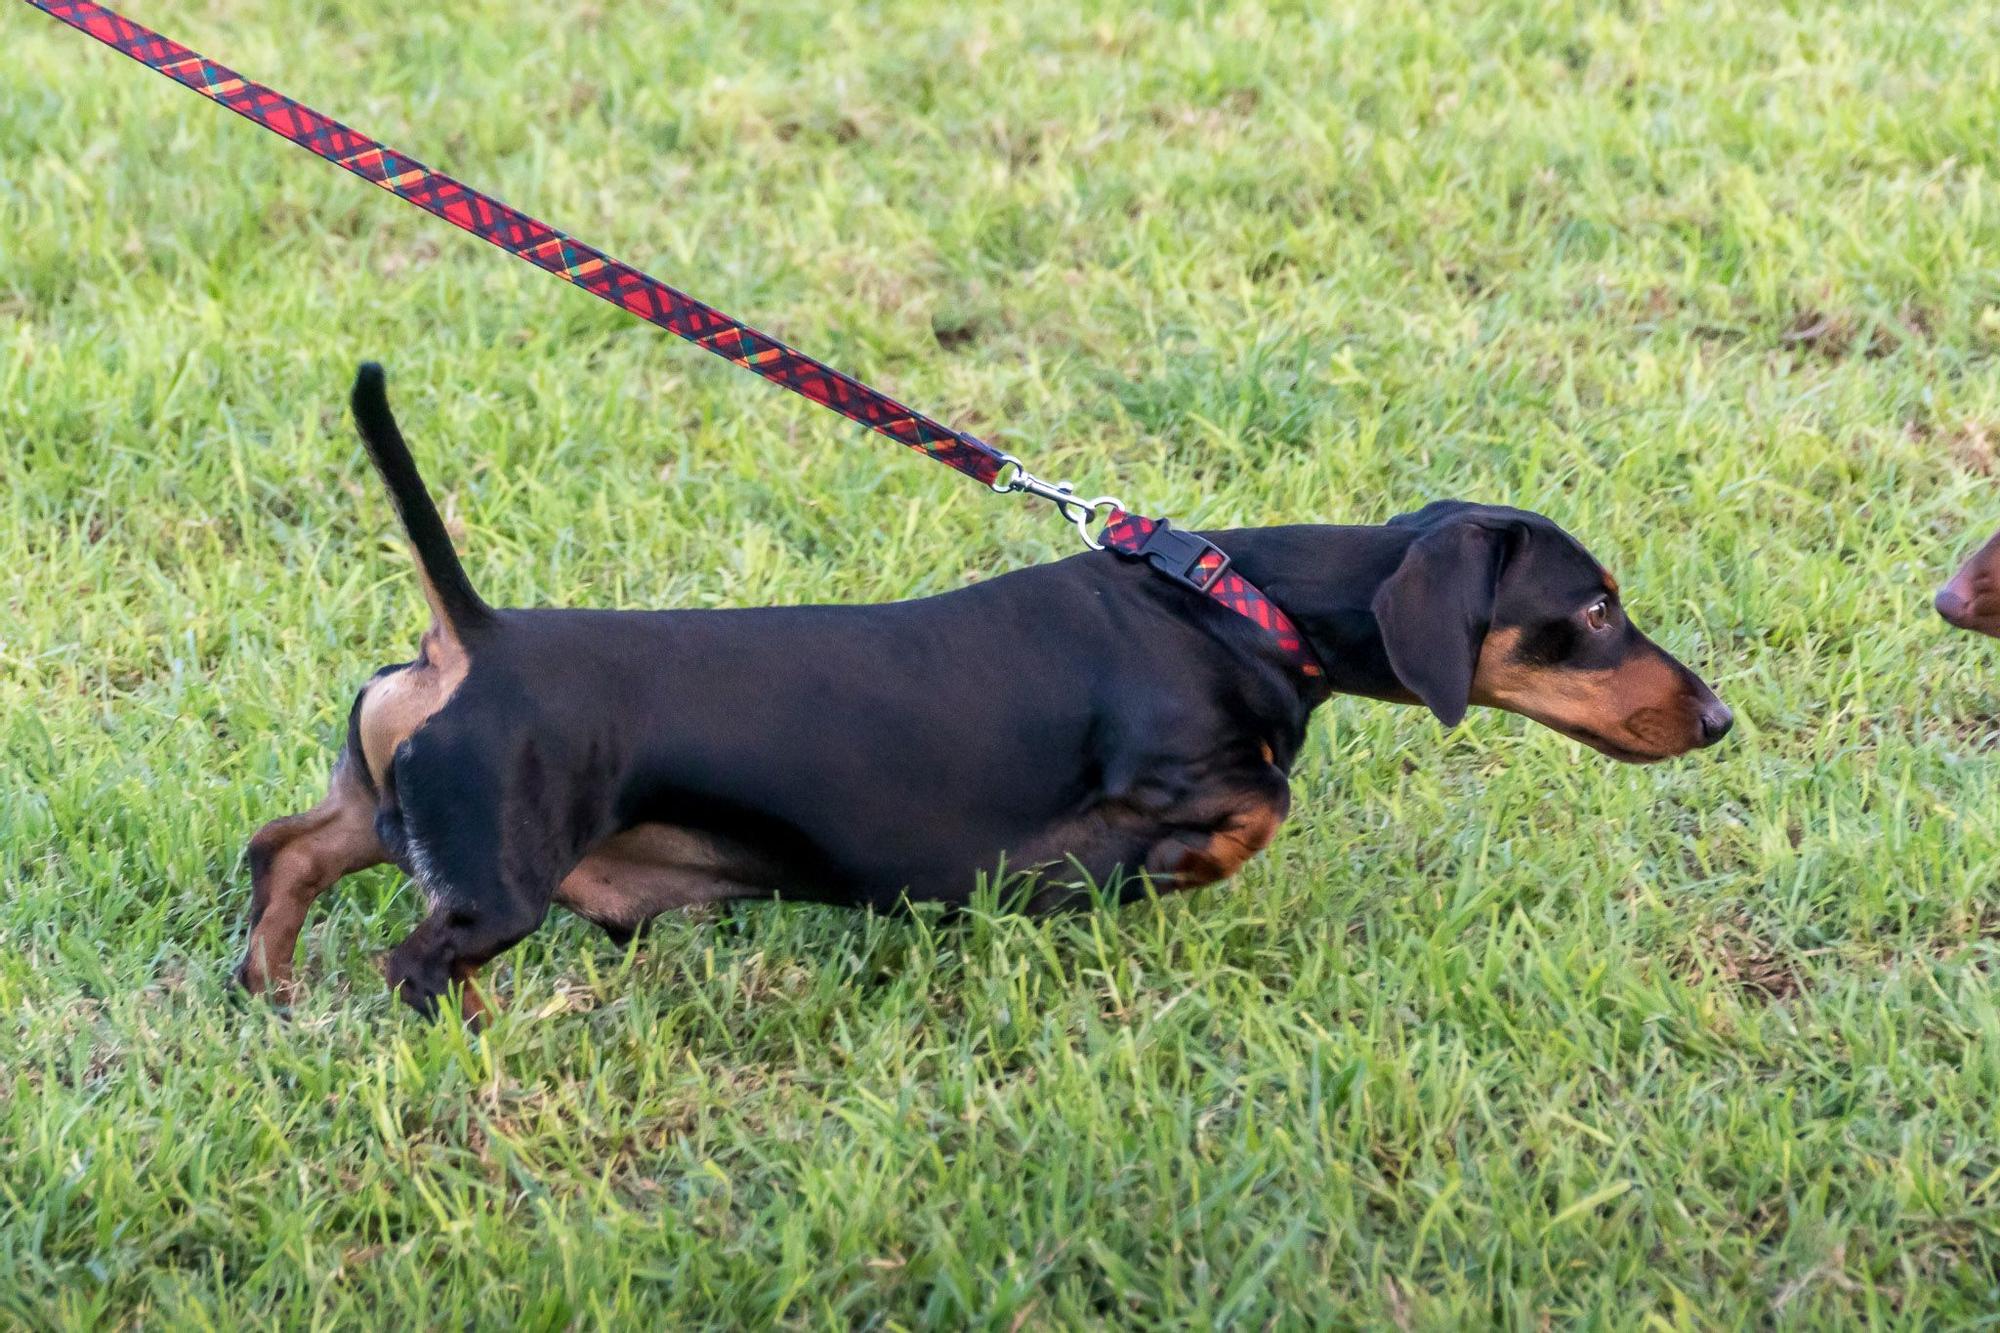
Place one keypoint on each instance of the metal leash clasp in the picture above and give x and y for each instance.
(1013, 477)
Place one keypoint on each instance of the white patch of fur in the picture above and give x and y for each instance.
(423, 871)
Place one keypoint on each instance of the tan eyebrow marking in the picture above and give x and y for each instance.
(1610, 584)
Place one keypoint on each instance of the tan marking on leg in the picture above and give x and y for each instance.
(292, 862)
(474, 1006)
(395, 705)
(651, 868)
(1228, 849)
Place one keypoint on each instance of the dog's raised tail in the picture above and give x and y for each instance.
(454, 604)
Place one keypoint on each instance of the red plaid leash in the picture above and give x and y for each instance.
(1181, 555)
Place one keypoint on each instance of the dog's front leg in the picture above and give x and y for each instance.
(492, 829)
(1222, 830)
(448, 948)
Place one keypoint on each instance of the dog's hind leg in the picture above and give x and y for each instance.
(294, 860)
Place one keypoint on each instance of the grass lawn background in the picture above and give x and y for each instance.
(1497, 1031)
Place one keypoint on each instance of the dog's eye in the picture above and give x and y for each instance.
(1598, 616)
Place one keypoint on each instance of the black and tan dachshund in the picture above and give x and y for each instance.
(1083, 722)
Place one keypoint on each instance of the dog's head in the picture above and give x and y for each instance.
(1501, 607)
(1971, 600)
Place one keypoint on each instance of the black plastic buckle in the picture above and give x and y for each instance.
(1178, 554)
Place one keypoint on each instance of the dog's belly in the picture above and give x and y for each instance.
(657, 867)
(652, 868)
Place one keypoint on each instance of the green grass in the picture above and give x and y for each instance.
(1496, 1032)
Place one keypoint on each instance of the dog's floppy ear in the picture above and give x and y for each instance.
(1434, 611)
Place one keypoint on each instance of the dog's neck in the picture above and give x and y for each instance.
(1325, 578)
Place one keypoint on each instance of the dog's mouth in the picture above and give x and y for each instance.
(1604, 745)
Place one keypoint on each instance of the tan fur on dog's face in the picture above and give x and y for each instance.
(1639, 707)
(1501, 607)
(1971, 600)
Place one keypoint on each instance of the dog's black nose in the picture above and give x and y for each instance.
(1716, 720)
(1952, 605)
